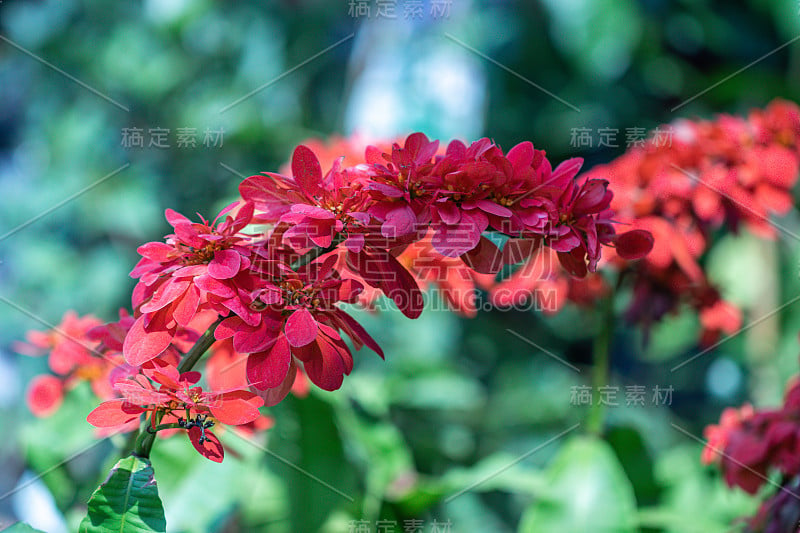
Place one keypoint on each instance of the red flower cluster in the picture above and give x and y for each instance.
(440, 201)
(730, 171)
(752, 444)
(77, 352)
(271, 298)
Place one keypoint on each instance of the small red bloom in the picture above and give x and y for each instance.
(317, 207)
(178, 399)
(755, 443)
(45, 394)
(717, 436)
(194, 270)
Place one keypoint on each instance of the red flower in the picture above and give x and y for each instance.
(180, 400)
(717, 436)
(318, 208)
(74, 355)
(469, 189)
(299, 321)
(757, 442)
(45, 394)
(401, 202)
(194, 270)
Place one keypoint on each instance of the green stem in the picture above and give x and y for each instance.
(316, 253)
(602, 361)
(200, 347)
(167, 426)
(145, 440)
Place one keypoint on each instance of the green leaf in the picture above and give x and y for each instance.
(319, 479)
(127, 501)
(588, 492)
(21, 527)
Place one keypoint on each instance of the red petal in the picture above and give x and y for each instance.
(567, 169)
(211, 448)
(243, 217)
(485, 258)
(236, 407)
(306, 170)
(448, 212)
(162, 372)
(312, 211)
(174, 218)
(301, 328)
(249, 340)
(521, 156)
(268, 369)
(494, 208)
(166, 293)
(274, 395)
(189, 378)
(593, 197)
(574, 262)
(518, 250)
(399, 222)
(113, 413)
(324, 364)
(634, 244)
(225, 264)
(141, 345)
(382, 270)
(156, 251)
(359, 331)
(184, 310)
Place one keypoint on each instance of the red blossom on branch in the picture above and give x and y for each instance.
(161, 389)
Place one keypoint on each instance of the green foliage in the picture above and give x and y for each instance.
(587, 491)
(19, 527)
(127, 502)
(456, 400)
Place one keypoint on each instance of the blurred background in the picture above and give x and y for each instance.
(112, 112)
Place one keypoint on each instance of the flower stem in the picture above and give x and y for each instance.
(316, 252)
(602, 361)
(145, 440)
(200, 347)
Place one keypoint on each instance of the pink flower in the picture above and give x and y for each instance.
(194, 270)
(317, 207)
(45, 394)
(298, 322)
(181, 401)
(74, 355)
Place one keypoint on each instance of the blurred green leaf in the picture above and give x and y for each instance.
(694, 501)
(312, 464)
(127, 501)
(588, 492)
(636, 460)
(19, 527)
